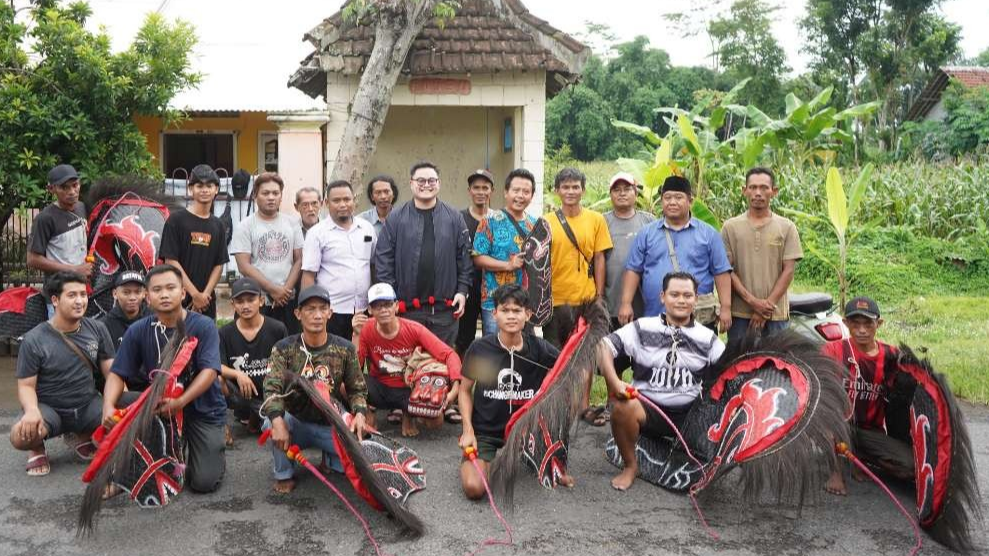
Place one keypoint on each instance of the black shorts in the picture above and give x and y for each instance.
(657, 427)
(387, 397)
(82, 420)
(487, 447)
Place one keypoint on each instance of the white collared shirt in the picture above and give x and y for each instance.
(341, 259)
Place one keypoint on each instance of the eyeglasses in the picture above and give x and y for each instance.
(379, 305)
(423, 181)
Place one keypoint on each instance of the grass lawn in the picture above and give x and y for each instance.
(953, 332)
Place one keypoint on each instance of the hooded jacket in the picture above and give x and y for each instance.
(117, 322)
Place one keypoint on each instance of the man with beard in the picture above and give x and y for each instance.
(201, 401)
(245, 346)
(268, 249)
(194, 241)
(385, 343)
(308, 201)
(424, 253)
(382, 193)
(55, 368)
(502, 372)
(669, 354)
(479, 185)
(320, 357)
(337, 257)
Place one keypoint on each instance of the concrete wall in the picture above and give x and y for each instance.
(245, 126)
(450, 130)
(937, 113)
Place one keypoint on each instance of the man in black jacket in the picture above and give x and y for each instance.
(129, 293)
(424, 253)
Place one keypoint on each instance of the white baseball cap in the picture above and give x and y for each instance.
(381, 292)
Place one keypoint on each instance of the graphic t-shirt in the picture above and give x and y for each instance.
(251, 357)
(60, 235)
(140, 353)
(497, 238)
(199, 245)
(505, 381)
(65, 381)
(875, 377)
(386, 359)
(571, 283)
(667, 361)
(622, 232)
(270, 243)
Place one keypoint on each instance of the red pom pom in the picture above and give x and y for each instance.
(432, 300)
(416, 304)
(401, 307)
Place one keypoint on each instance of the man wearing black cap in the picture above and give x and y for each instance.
(326, 360)
(872, 370)
(678, 242)
(129, 305)
(194, 241)
(479, 185)
(58, 233)
(245, 346)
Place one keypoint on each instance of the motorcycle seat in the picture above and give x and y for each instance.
(810, 303)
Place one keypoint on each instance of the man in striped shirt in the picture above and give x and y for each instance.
(669, 355)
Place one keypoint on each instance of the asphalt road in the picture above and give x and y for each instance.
(246, 518)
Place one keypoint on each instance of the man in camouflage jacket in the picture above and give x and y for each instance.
(322, 358)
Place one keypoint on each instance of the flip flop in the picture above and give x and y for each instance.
(593, 416)
(85, 450)
(394, 417)
(36, 462)
(452, 415)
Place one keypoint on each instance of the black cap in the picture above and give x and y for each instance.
(676, 183)
(128, 277)
(242, 286)
(313, 292)
(203, 174)
(62, 173)
(480, 173)
(863, 306)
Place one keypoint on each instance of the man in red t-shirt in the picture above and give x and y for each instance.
(385, 342)
(872, 374)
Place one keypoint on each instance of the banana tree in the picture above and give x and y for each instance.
(841, 212)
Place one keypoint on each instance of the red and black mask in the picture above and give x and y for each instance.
(430, 384)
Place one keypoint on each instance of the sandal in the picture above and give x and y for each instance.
(394, 416)
(85, 450)
(38, 466)
(594, 416)
(452, 415)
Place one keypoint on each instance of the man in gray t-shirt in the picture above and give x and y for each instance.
(55, 368)
(624, 222)
(268, 249)
(58, 233)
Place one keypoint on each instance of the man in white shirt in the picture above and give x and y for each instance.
(337, 256)
(268, 249)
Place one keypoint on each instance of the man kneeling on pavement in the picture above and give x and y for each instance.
(321, 357)
(669, 354)
(55, 375)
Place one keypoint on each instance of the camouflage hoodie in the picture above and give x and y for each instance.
(333, 363)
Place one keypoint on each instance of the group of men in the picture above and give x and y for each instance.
(349, 300)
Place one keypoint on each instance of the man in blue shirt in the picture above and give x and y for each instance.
(202, 403)
(678, 243)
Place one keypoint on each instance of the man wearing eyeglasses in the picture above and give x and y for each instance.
(424, 253)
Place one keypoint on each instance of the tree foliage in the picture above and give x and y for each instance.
(965, 128)
(65, 97)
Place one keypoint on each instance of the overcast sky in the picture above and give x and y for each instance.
(253, 46)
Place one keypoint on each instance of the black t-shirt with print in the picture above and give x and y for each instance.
(251, 357)
(199, 245)
(503, 382)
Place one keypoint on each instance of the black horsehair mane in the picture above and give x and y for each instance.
(123, 452)
(962, 507)
(409, 520)
(115, 186)
(796, 467)
(558, 406)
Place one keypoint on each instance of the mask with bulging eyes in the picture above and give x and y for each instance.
(430, 383)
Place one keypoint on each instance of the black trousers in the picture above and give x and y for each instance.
(467, 330)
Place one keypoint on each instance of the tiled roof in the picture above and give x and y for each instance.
(968, 76)
(486, 36)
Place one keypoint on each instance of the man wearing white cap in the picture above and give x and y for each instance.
(624, 223)
(385, 343)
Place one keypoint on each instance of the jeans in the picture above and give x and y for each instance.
(740, 327)
(488, 323)
(305, 435)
